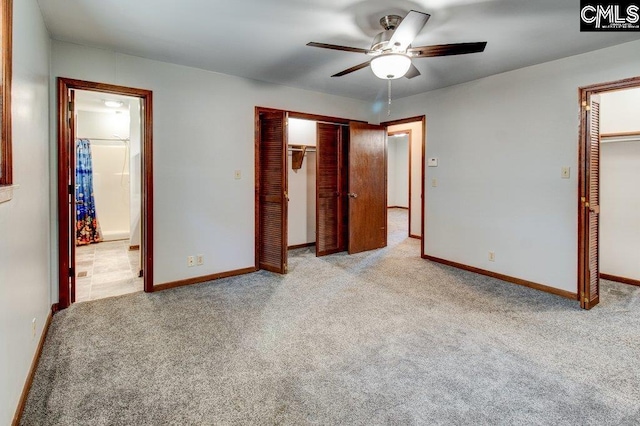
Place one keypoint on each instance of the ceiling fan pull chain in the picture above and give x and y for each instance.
(389, 103)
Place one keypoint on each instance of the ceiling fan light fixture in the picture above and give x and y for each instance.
(390, 66)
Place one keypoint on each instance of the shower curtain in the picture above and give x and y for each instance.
(87, 227)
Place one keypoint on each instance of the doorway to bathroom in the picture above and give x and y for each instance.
(104, 191)
(107, 195)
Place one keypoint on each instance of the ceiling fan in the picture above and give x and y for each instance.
(392, 51)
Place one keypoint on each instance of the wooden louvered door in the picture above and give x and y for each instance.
(330, 194)
(367, 187)
(271, 171)
(590, 293)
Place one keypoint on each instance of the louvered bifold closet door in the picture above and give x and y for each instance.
(328, 192)
(273, 192)
(591, 292)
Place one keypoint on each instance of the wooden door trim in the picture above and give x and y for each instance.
(407, 132)
(619, 279)
(423, 119)
(584, 98)
(64, 171)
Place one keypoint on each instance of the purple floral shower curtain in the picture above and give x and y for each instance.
(87, 227)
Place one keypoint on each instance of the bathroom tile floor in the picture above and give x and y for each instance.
(106, 269)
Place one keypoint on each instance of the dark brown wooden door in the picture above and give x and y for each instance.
(330, 191)
(272, 191)
(367, 187)
(590, 293)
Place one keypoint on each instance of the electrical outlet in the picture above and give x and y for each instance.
(565, 172)
(33, 328)
(434, 182)
(200, 259)
(492, 256)
(191, 261)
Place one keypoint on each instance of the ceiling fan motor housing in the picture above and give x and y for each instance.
(381, 40)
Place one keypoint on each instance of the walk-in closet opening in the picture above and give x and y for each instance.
(107, 195)
(620, 186)
(320, 181)
(608, 190)
(301, 166)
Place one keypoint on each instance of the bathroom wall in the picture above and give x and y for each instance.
(110, 169)
(302, 185)
(135, 173)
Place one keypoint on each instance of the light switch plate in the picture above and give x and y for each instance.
(237, 174)
(566, 172)
(432, 162)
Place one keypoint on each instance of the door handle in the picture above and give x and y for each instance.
(286, 195)
(353, 195)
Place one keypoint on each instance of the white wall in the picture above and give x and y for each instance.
(501, 142)
(24, 221)
(620, 186)
(302, 132)
(391, 172)
(398, 171)
(111, 183)
(135, 173)
(416, 172)
(203, 130)
(620, 111)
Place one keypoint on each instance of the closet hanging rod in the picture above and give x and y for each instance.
(300, 150)
(335, 124)
(111, 139)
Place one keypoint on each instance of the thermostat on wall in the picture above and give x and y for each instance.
(432, 162)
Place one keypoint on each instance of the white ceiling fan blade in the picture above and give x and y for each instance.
(408, 29)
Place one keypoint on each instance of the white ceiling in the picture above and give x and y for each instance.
(265, 39)
(94, 101)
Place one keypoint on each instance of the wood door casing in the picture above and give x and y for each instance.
(590, 294)
(73, 158)
(66, 177)
(272, 191)
(585, 94)
(367, 187)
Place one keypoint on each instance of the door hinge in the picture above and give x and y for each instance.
(70, 189)
(70, 106)
(286, 268)
(71, 272)
(584, 298)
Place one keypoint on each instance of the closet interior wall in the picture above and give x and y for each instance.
(302, 183)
